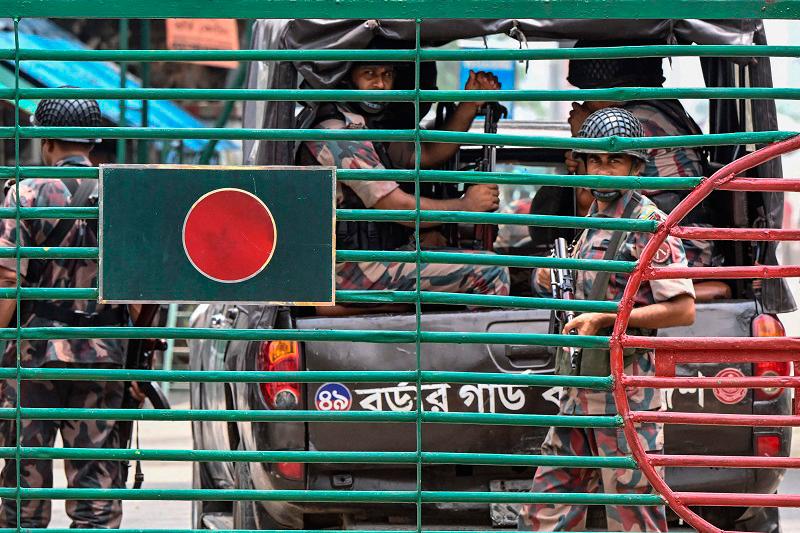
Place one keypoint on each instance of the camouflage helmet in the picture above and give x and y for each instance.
(621, 72)
(612, 121)
(68, 113)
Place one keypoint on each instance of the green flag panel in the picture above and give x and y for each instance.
(187, 234)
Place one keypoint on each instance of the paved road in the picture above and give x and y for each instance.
(160, 475)
(166, 475)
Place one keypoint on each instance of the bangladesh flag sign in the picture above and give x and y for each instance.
(189, 234)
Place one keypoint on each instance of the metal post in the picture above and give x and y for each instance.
(172, 320)
(123, 79)
(144, 43)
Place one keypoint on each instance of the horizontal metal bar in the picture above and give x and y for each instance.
(573, 461)
(490, 300)
(276, 95)
(48, 293)
(422, 9)
(617, 94)
(611, 144)
(470, 217)
(213, 55)
(611, 52)
(442, 298)
(738, 499)
(443, 176)
(41, 132)
(303, 456)
(360, 496)
(723, 461)
(50, 172)
(519, 178)
(306, 376)
(607, 143)
(731, 272)
(245, 415)
(459, 258)
(729, 356)
(431, 54)
(716, 419)
(735, 234)
(533, 380)
(503, 419)
(761, 184)
(49, 212)
(55, 252)
(749, 382)
(398, 256)
(756, 345)
(371, 336)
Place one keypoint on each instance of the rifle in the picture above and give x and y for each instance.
(492, 113)
(140, 357)
(562, 287)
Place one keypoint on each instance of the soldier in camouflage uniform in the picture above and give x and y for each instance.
(659, 118)
(353, 194)
(659, 303)
(77, 353)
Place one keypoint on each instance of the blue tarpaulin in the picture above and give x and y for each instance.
(102, 74)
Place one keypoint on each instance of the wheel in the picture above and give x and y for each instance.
(249, 514)
(766, 519)
(197, 505)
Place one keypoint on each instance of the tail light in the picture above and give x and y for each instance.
(280, 356)
(768, 445)
(769, 326)
(291, 471)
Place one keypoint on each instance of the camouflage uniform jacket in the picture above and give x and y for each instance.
(57, 273)
(592, 244)
(666, 162)
(673, 162)
(359, 155)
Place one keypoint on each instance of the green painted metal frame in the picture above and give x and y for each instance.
(408, 9)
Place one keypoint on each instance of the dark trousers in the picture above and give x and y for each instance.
(38, 473)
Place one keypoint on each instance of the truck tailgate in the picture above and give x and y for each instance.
(722, 319)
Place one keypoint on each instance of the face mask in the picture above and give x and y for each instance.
(373, 108)
(606, 196)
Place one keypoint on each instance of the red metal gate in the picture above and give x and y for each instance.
(675, 350)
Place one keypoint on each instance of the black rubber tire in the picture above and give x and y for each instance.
(249, 514)
(244, 514)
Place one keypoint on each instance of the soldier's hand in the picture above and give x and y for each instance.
(136, 392)
(481, 81)
(577, 116)
(575, 165)
(543, 277)
(588, 323)
(482, 197)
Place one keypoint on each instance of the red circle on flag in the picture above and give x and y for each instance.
(229, 235)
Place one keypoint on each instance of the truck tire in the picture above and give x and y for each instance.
(249, 514)
(766, 519)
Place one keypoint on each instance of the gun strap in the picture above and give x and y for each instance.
(600, 285)
(80, 196)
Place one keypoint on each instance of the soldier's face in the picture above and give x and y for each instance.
(612, 165)
(372, 77)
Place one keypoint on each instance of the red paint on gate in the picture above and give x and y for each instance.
(706, 349)
(229, 235)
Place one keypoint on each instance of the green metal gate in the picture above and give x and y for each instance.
(419, 11)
